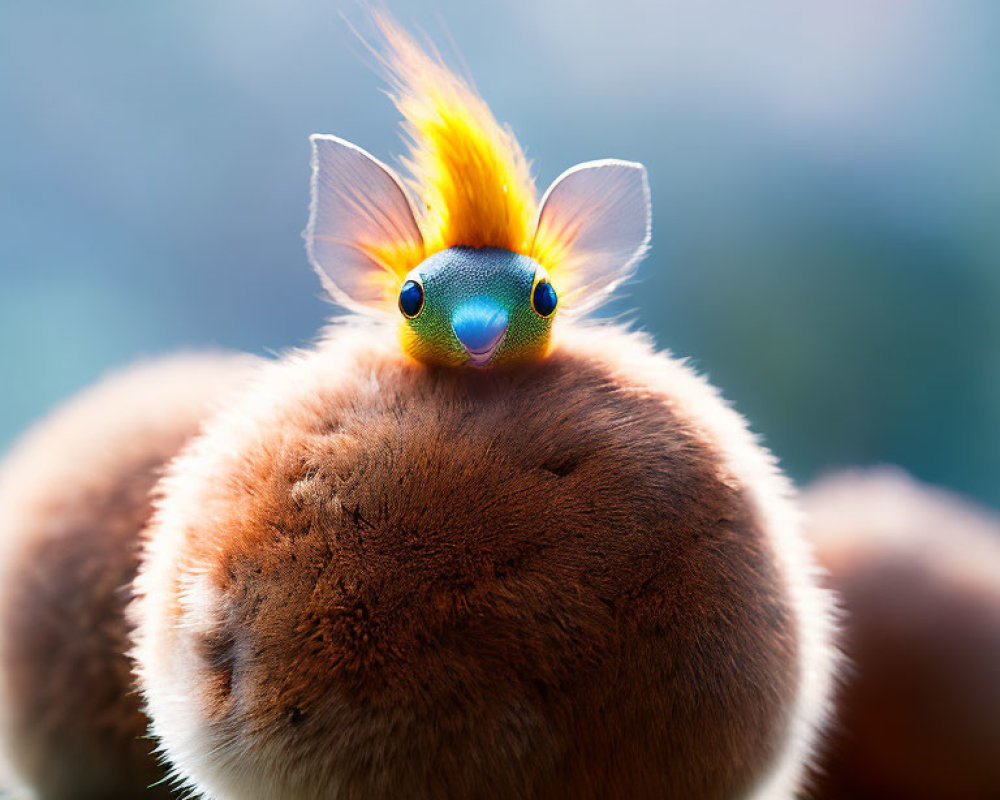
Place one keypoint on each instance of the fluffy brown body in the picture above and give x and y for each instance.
(372, 579)
(918, 573)
(74, 495)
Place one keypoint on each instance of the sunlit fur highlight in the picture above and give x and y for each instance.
(396, 259)
(468, 171)
(551, 252)
(75, 494)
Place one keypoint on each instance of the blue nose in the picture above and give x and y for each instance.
(480, 325)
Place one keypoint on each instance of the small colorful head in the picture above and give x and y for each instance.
(477, 270)
(475, 306)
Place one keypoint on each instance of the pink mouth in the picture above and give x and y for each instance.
(480, 358)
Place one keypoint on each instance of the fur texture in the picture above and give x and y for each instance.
(74, 495)
(918, 571)
(579, 578)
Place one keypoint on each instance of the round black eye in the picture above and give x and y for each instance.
(543, 299)
(411, 299)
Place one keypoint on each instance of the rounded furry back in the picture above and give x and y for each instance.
(579, 578)
(74, 494)
(918, 572)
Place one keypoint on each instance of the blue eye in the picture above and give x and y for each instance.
(411, 299)
(543, 299)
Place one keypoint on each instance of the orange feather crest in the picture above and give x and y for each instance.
(468, 171)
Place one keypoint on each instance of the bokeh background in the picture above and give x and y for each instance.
(826, 187)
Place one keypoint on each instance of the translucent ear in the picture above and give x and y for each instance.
(593, 228)
(362, 235)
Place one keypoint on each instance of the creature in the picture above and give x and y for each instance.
(519, 556)
(74, 497)
(918, 573)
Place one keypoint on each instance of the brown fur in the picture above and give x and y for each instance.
(918, 572)
(73, 497)
(375, 580)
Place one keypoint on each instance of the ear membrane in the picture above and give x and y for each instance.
(362, 235)
(593, 228)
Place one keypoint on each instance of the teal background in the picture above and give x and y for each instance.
(825, 177)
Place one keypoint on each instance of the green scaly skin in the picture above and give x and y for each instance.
(460, 274)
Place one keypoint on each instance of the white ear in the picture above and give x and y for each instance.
(358, 210)
(598, 214)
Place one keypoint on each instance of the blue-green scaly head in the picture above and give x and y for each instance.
(478, 307)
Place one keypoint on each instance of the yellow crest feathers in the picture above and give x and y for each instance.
(468, 171)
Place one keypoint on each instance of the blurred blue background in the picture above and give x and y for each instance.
(826, 188)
